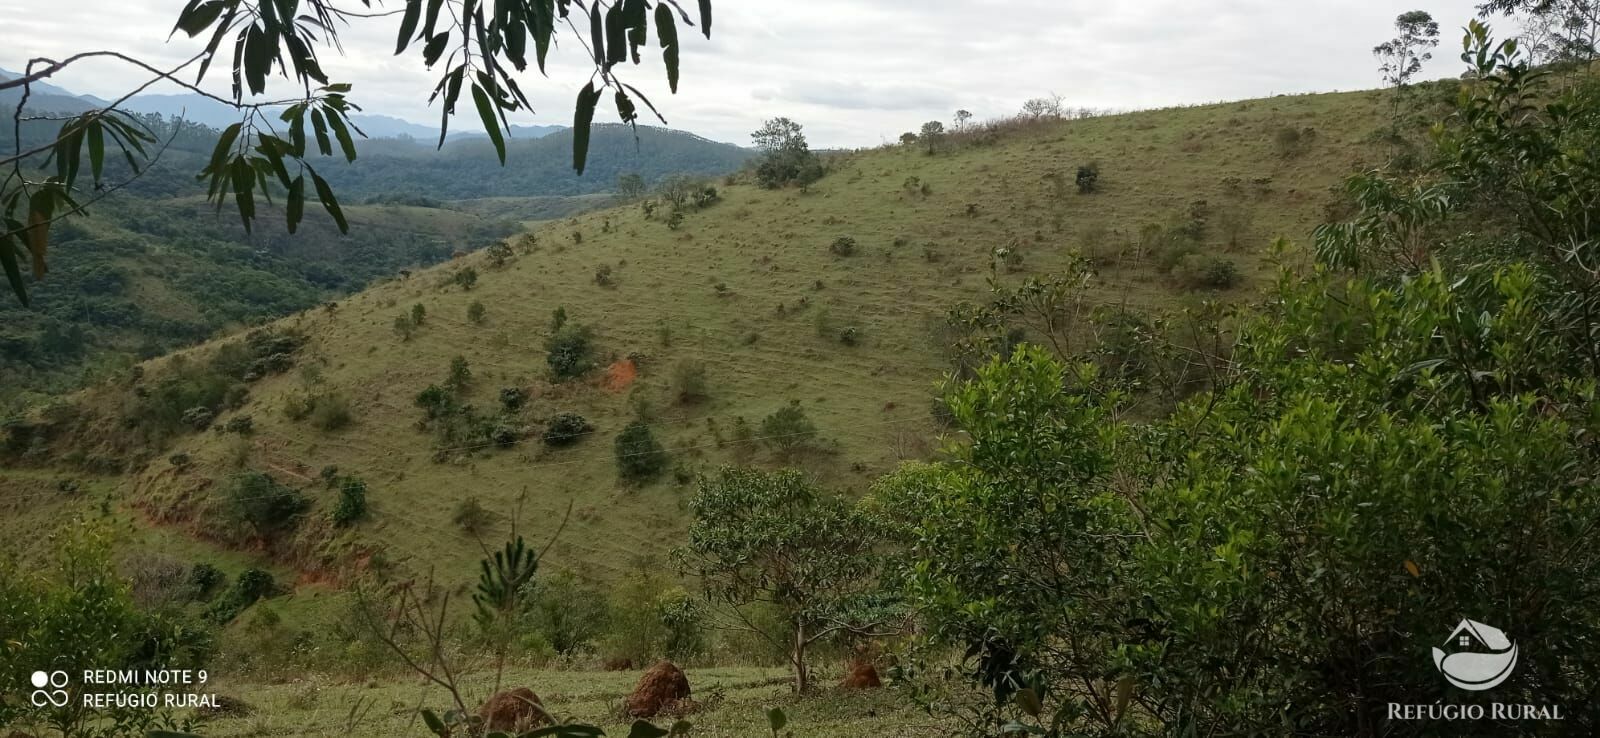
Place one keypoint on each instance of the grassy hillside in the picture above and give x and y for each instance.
(153, 268)
(748, 288)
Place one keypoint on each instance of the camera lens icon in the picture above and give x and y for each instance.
(56, 695)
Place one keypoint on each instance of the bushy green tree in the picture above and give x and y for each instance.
(352, 505)
(252, 498)
(789, 429)
(570, 351)
(772, 538)
(569, 613)
(786, 158)
(639, 455)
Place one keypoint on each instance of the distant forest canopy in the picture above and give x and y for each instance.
(153, 268)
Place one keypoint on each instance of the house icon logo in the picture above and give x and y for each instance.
(1479, 657)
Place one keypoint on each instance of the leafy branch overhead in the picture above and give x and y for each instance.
(478, 46)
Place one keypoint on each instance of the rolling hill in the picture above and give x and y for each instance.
(747, 289)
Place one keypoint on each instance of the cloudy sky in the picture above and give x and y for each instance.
(855, 72)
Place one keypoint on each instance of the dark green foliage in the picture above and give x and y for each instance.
(786, 158)
(404, 327)
(512, 399)
(566, 429)
(1088, 178)
(203, 581)
(639, 455)
(418, 315)
(257, 500)
(460, 375)
(567, 612)
(252, 585)
(243, 425)
(436, 401)
(198, 418)
(570, 351)
(466, 278)
(789, 429)
(842, 246)
(772, 538)
(352, 506)
(1206, 272)
(475, 313)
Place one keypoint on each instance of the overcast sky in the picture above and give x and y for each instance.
(855, 72)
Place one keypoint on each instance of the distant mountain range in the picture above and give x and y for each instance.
(46, 97)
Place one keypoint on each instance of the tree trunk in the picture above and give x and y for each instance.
(797, 657)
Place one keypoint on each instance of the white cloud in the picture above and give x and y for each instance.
(856, 72)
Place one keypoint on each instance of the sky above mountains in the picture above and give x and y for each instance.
(855, 72)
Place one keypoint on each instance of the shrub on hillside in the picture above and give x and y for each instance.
(352, 506)
(788, 429)
(418, 315)
(435, 401)
(257, 500)
(460, 375)
(569, 613)
(198, 418)
(243, 425)
(843, 246)
(570, 351)
(566, 429)
(252, 585)
(1197, 271)
(689, 381)
(471, 516)
(639, 455)
(466, 279)
(1088, 178)
(330, 412)
(404, 327)
(512, 399)
(475, 313)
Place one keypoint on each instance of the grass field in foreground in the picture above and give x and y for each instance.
(735, 701)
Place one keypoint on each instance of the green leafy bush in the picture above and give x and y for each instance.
(842, 246)
(639, 455)
(689, 381)
(566, 429)
(1206, 272)
(476, 312)
(352, 506)
(570, 351)
(257, 500)
(789, 429)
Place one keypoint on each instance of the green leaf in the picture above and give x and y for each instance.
(643, 729)
(219, 154)
(625, 108)
(616, 36)
(244, 180)
(583, 118)
(542, 26)
(8, 259)
(434, 723)
(566, 731)
(597, 35)
(667, 31)
(329, 202)
(775, 717)
(199, 15)
(491, 125)
(296, 207)
(435, 48)
(408, 25)
(97, 150)
(705, 17)
(320, 128)
(342, 132)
